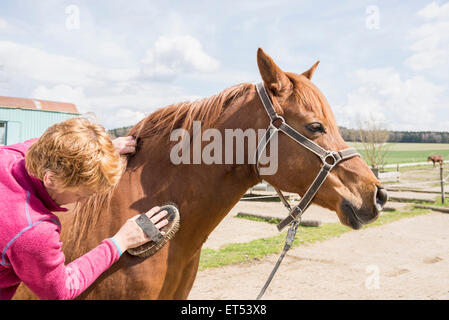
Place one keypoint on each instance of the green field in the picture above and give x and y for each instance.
(409, 152)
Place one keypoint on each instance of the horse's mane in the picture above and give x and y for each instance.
(159, 124)
(181, 115)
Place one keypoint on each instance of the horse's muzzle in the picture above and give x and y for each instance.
(356, 218)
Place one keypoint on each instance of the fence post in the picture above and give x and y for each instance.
(375, 171)
(442, 182)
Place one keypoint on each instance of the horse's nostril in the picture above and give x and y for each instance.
(381, 198)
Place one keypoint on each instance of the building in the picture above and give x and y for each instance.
(22, 119)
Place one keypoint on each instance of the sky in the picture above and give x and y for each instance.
(382, 60)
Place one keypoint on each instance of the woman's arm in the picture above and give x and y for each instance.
(38, 260)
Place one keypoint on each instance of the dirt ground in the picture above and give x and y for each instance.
(406, 259)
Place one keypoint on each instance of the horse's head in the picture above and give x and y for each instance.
(351, 189)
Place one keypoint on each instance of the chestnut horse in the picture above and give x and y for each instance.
(435, 159)
(206, 193)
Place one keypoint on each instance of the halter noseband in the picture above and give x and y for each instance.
(328, 158)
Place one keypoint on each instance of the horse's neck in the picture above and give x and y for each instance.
(208, 192)
(204, 193)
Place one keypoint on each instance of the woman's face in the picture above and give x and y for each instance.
(71, 195)
(62, 195)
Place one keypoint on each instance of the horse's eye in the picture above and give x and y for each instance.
(315, 127)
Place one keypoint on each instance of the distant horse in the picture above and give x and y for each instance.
(205, 193)
(435, 159)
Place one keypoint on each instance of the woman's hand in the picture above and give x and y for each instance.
(125, 145)
(131, 235)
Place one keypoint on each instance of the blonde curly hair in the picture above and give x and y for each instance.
(80, 154)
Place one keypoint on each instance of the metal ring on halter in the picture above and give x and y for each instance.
(331, 155)
(278, 117)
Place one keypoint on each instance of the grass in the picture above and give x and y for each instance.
(418, 146)
(260, 198)
(413, 156)
(409, 152)
(272, 220)
(439, 203)
(408, 200)
(390, 182)
(257, 249)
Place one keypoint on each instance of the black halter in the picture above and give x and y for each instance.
(329, 160)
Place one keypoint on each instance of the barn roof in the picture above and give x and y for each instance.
(36, 104)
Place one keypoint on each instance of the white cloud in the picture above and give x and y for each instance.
(107, 107)
(431, 39)
(115, 95)
(123, 106)
(172, 56)
(36, 64)
(433, 10)
(123, 118)
(119, 105)
(403, 104)
(64, 93)
(168, 58)
(430, 46)
(112, 50)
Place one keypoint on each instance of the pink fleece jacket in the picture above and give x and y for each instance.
(30, 247)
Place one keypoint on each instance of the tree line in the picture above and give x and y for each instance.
(400, 136)
(119, 132)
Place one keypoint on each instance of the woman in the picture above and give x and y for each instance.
(69, 162)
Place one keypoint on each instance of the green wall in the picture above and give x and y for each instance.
(24, 124)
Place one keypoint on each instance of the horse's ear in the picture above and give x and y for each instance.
(309, 73)
(274, 78)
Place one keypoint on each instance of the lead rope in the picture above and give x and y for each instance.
(288, 240)
(288, 244)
